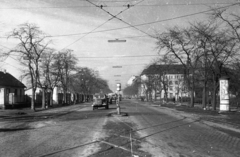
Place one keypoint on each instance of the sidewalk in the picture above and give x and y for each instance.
(25, 118)
(227, 122)
(28, 112)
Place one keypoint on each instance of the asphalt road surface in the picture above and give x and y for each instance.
(78, 131)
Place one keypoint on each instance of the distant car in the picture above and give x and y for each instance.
(112, 97)
(100, 102)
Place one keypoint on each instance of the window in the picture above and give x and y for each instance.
(15, 92)
(176, 82)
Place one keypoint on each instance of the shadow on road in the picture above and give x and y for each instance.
(14, 129)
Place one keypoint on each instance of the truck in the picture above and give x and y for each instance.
(100, 102)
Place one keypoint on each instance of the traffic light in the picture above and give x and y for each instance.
(118, 86)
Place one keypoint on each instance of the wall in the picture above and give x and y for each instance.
(2, 97)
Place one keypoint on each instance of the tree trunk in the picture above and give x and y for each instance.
(64, 96)
(74, 98)
(51, 97)
(192, 99)
(33, 99)
(192, 93)
(166, 96)
(214, 97)
(155, 94)
(204, 96)
(43, 98)
(207, 99)
(150, 95)
(147, 95)
(214, 93)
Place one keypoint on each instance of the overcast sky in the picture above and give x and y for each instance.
(86, 29)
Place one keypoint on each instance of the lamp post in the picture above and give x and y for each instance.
(118, 84)
(118, 99)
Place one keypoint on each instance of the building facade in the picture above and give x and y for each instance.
(11, 90)
(159, 81)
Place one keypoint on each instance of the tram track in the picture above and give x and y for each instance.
(134, 130)
(122, 136)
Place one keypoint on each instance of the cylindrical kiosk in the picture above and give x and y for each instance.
(224, 94)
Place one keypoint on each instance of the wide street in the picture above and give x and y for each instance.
(146, 130)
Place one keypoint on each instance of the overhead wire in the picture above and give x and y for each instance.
(137, 25)
(119, 56)
(142, 24)
(87, 33)
(112, 6)
(114, 16)
(98, 26)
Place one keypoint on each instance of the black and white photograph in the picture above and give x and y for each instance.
(119, 78)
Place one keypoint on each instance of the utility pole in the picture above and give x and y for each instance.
(118, 99)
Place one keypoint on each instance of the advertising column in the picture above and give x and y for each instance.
(224, 94)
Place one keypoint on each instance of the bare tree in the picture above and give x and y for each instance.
(179, 44)
(202, 34)
(231, 20)
(65, 65)
(200, 47)
(50, 72)
(161, 67)
(29, 51)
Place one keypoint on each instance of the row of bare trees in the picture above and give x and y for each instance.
(207, 50)
(47, 68)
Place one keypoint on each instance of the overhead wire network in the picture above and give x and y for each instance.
(143, 24)
(112, 6)
(120, 56)
(93, 31)
(99, 25)
(137, 25)
(114, 16)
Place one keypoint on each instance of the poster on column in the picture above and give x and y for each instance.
(224, 95)
(224, 90)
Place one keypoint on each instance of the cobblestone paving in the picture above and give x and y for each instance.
(196, 139)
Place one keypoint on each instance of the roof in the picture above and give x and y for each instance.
(168, 68)
(7, 80)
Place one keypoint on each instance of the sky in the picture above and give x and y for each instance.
(85, 28)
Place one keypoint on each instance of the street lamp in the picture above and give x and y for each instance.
(117, 41)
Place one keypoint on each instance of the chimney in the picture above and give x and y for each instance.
(5, 71)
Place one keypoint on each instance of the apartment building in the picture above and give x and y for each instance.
(160, 80)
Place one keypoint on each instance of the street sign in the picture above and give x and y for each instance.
(116, 41)
(117, 66)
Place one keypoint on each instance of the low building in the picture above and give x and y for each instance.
(11, 90)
